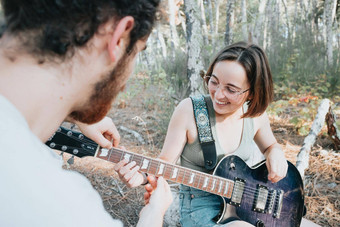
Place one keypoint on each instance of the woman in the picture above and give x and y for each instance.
(240, 88)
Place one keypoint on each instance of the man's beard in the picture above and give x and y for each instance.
(104, 94)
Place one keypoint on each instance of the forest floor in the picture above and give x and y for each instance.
(322, 178)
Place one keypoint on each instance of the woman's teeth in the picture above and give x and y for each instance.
(221, 103)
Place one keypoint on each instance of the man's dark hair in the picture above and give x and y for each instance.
(56, 27)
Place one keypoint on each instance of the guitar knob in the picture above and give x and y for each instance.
(259, 223)
(52, 145)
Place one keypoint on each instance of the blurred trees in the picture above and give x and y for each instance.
(301, 38)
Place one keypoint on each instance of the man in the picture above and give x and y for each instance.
(63, 59)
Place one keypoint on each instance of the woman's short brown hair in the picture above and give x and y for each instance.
(255, 62)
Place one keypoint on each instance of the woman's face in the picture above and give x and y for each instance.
(228, 87)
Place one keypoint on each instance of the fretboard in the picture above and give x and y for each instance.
(203, 181)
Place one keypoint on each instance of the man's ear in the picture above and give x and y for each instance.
(120, 38)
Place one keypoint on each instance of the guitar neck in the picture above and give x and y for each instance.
(206, 182)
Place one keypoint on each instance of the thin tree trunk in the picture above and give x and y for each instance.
(217, 14)
(194, 45)
(330, 6)
(244, 20)
(228, 38)
(258, 29)
(289, 38)
(295, 20)
(162, 42)
(204, 23)
(211, 18)
(173, 31)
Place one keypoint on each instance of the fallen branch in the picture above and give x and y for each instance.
(333, 130)
(134, 133)
(303, 156)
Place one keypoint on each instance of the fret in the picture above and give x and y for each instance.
(167, 171)
(157, 167)
(230, 190)
(177, 174)
(121, 156)
(199, 181)
(148, 170)
(183, 176)
(111, 151)
(226, 187)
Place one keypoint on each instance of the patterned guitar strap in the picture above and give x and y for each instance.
(204, 131)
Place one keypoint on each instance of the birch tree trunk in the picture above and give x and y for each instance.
(217, 16)
(228, 38)
(302, 161)
(244, 20)
(161, 41)
(211, 18)
(289, 36)
(330, 6)
(194, 45)
(173, 30)
(204, 23)
(259, 25)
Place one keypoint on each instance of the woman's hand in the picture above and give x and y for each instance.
(276, 163)
(129, 174)
(103, 132)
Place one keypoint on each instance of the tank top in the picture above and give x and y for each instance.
(192, 154)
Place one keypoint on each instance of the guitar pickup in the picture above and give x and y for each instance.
(260, 199)
(238, 190)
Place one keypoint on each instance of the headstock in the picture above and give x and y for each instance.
(72, 142)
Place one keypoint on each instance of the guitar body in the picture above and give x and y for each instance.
(292, 203)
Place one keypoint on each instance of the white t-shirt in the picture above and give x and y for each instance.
(34, 189)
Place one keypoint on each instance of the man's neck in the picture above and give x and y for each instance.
(42, 96)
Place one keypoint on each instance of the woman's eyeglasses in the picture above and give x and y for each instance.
(228, 91)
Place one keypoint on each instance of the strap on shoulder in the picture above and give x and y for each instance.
(204, 131)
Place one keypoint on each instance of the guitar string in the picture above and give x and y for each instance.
(252, 193)
(249, 191)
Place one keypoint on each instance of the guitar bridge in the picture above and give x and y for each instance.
(236, 197)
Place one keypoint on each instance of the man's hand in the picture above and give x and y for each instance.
(103, 132)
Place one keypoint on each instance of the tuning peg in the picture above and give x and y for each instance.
(71, 160)
(62, 154)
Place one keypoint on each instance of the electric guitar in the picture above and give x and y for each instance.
(257, 200)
